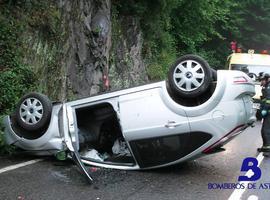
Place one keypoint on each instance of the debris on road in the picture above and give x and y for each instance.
(93, 169)
(93, 154)
(120, 148)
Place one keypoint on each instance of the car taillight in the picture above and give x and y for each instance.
(240, 79)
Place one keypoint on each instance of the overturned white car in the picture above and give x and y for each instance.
(194, 112)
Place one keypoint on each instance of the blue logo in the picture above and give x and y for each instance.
(253, 172)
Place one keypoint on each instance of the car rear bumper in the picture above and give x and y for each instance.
(49, 143)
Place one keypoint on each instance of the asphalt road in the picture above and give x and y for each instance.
(51, 179)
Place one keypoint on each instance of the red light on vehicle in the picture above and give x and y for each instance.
(238, 50)
(264, 52)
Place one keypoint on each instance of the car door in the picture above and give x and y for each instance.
(71, 140)
(156, 134)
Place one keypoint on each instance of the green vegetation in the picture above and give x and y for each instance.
(176, 27)
(19, 19)
(15, 77)
(254, 24)
(155, 19)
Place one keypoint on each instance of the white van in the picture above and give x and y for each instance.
(251, 63)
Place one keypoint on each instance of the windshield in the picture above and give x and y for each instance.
(251, 69)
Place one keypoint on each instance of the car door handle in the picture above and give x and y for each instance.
(172, 124)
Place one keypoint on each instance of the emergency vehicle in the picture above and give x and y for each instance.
(253, 64)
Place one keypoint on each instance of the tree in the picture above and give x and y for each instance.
(202, 27)
(254, 25)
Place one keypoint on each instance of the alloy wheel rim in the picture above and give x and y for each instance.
(188, 75)
(31, 111)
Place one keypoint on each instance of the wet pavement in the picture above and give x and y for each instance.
(261, 187)
(51, 179)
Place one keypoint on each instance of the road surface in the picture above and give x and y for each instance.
(51, 179)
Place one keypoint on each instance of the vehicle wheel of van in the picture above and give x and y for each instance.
(190, 76)
(33, 112)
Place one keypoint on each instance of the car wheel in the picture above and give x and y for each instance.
(214, 74)
(33, 112)
(190, 76)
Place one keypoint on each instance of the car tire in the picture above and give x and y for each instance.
(33, 112)
(214, 74)
(190, 76)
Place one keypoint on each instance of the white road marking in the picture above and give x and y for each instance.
(12, 167)
(237, 193)
(253, 197)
